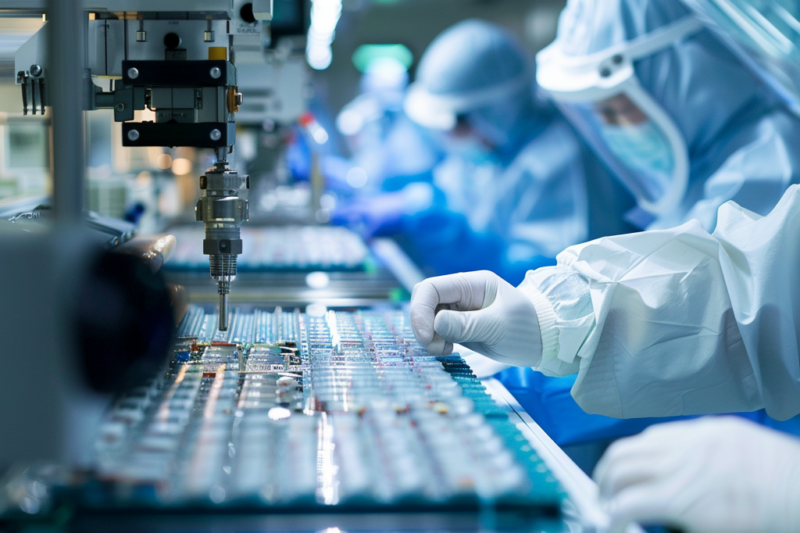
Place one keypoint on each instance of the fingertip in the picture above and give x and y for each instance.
(437, 346)
(422, 310)
(422, 326)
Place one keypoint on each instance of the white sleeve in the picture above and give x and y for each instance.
(682, 322)
(564, 309)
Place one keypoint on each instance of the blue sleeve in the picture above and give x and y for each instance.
(442, 242)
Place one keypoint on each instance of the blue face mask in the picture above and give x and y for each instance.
(641, 147)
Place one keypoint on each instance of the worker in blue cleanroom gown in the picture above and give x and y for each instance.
(684, 125)
(656, 324)
(694, 319)
(515, 186)
(388, 151)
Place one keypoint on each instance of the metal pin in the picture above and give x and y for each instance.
(223, 312)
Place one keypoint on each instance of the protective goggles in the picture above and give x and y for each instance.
(602, 96)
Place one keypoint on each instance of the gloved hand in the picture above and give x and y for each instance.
(707, 475)
(479, 310)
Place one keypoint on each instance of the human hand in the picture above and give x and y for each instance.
(479, 310)
(710, 475)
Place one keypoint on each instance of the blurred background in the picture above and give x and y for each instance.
(155, 187)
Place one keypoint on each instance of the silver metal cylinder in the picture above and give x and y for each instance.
(223, 271)
(223, 212)
(223, 312)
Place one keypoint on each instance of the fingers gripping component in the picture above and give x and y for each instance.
(222, 211)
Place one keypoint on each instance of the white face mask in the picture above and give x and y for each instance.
(643, 149)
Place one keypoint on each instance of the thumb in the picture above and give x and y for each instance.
(463, 326)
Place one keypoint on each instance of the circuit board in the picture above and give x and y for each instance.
(278, 249)
(291, 410)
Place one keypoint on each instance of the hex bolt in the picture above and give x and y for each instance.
(133, 73)
(215, 73)
(215, 134)
(133, 135)
(36, 71)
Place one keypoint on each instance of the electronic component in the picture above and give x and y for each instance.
(292, 411)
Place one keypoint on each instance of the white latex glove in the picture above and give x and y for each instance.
(479, 310)
(708, 475)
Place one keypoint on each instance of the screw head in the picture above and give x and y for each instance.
(133, 135)
(120, 106)
(36, 71)
(215, 134)
(133, 73)
(215, 73)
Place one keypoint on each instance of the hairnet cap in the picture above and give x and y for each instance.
(471, 65)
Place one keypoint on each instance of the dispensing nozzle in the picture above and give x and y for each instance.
(223, 310)
(223, 212)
